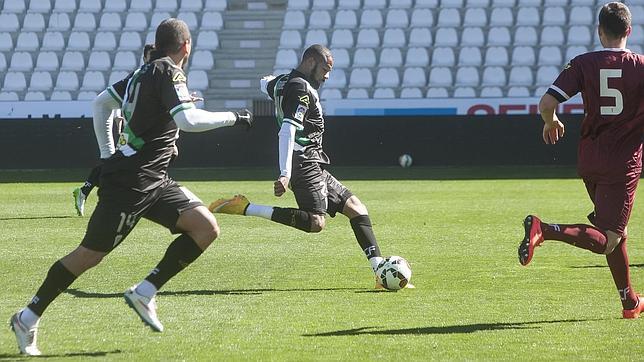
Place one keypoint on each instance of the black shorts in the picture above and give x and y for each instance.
(119, 210)
(316, 190)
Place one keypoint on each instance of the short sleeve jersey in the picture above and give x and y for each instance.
(611, 83)
(149, 97)
(298, 103)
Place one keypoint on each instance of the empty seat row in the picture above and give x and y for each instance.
(432, 92)
(95, 6)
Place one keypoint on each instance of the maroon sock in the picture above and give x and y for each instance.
(618, 264)
(582, 236)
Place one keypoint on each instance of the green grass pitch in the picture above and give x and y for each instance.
(267, 292)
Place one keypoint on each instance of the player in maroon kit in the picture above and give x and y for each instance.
(611, 82)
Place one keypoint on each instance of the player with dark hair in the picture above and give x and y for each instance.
(302, 160)
(103, 133)
(156, 104)
(611, 82)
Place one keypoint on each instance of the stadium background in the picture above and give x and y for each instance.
(409, 76)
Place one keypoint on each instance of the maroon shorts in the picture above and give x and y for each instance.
(613, 204)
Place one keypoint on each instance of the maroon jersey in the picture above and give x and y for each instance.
(611, 82)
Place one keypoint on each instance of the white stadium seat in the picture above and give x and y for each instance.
(472, 36)
(384, 93)
(286, 58)
(443, 56)
(391, 57)
(294, 19)
(39, 6)
(554, 15)
(9, 23)
(496, 56)
(501, 17)
(298, 4)
(416, 57)
(368, 38)
(3, 62)
(546, 75)
(67, 81)
(441, 76)
(221, 5)
(364, 57)
(540, 91)
(522, 55)
(9, 96)
(464, 92)
(212, 20)
(337, 79)
(555, 2)
(397, 18)
(6, 42)
(207, 40)
(452, 4)
(47, 61)
(92, 6)
(21, 61)
(637, 35)
(34, 96)
(198, 80)
(84, 22)
(400, 4)
(550, 55)
(86, 95)
(579, 35)
(136, 21)
(341, 58)
(357, 93)
(202, 59)
(449, 17)
(528, 2)
(316, 36)
(116, 6)
(14, 6)
(374, 4)
(58, 95)
(411, 93)
(78, 40)
(422, 18)
(420, 37)
(110, 21)
(387, 77)
(323, 4)
(130, 41)
(125, 61)
(52, 41)
(116, 76)
(330, 93)
(59, 22)
(414, 77)
(493, 76)
(320, 19)
(158, 17)
(446, 37)
(166, 5)
(349, 4)
(149, 39)
(191, 5)
(581, 15)
(73, 61)
(33, 22)
(99, 60)
(342, 38)
(426, 3)
(470, 56)
(360, 78)
(575, 50)
(290, 39)
(371, 19)
(499, 35)
(346, 19)
(104, 40)
(518, 92)
(475, 17)
(394, 37)
(491, 92)
(478, 3)
(525, 35)
(27, 41)
(437, 92)
(528, 16)
(521, 76)
(552, 35)
(467, 76)
(40, 81)
(14, 81)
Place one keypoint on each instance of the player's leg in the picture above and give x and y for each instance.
(106, 229)
(182, 212)
(80, 194)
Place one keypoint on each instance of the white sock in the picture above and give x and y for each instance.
(28, 317)
(259, 210)
(146, 289)
(375, 261)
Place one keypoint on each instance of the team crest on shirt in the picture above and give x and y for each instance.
(300, 112)
(305, 99)
(182, 92)
(178, 77)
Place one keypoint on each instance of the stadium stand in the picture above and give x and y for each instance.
(68, 49)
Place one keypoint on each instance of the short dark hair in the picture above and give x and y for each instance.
(317, 51)
(171, 34)
(615, 19)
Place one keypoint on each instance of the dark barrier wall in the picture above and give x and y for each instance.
(368, 141)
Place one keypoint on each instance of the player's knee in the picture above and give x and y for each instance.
(354, 207)
(613, 240)
(317, 223)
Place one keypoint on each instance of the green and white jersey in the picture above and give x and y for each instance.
(298, 103)
(149, 97)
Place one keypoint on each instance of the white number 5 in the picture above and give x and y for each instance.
(604, 91)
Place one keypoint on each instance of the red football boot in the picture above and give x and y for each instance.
(533, 238)
(635, 312)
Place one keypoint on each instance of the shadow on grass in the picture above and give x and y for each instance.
(604, 266)
(36, 217)
(81, 294)
(19, 357)
(456, 329)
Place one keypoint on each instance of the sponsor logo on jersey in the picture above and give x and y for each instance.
(182, 92)
(179, 77)
(300, 112)
(305, 99)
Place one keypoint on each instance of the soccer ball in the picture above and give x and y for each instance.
(405, 160)
(393, 273)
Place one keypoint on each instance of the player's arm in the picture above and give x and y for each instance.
(286, 145)
(191, 119)
(553, 129)
(266, 85)
(102, 108)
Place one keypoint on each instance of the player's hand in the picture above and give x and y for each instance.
(194, 97)
(553, 131)
(280, 186)
(244, 118)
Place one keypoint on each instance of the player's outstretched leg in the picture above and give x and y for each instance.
(533, 237)
(25, 336)
(145, 307)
